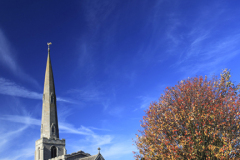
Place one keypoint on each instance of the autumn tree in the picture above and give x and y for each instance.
(196, 119)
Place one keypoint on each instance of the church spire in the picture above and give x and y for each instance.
(49, 125)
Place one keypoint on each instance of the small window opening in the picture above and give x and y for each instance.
(52, 98)
(53, 129)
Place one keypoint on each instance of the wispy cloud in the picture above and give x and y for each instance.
(10, 133)
(6, 56)
(63, 126)
(112, 109)
(116, 111)
(86, 58)
(87, 94)
(6, 137)
(199, 47)
(20, 154)
(99, 129)
(96, 13)
(8, 60)
(95, 16)
(210, 56)
(68, 128)
(145, 102)
(21, 119)
(118, 150)
(98, 140)
(10, 88)
(66, 100)
(106, 104)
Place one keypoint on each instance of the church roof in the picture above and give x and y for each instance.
(94, 157)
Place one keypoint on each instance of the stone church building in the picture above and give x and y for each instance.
(49, 146)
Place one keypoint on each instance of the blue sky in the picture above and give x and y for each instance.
(110, 59)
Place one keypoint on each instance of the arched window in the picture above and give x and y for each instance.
(53, 152)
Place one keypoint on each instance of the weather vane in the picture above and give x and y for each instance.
(49, 43)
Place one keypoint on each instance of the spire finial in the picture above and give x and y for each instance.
(49, 43)
(99, 149)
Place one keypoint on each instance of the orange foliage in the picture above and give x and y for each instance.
(195, 119)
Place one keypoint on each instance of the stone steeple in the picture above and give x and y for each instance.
(49, 146)
(49, 125)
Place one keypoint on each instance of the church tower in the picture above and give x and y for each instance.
(49, 145)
